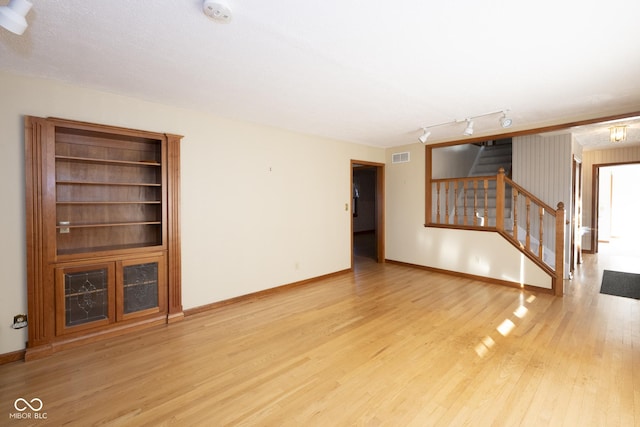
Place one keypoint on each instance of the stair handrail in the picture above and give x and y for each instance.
(522, 190)
(556, 271)
(559, 225)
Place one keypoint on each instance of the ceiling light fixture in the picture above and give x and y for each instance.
(469, 129)
(425, 135)
(12, 16)
(505, 122)
(617, 133)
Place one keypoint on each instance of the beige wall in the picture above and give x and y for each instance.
(599, 157)
(261, 207)
(472, 252)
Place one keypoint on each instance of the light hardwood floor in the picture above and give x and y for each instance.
(388, 345)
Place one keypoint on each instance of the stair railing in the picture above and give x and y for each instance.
(532, 226)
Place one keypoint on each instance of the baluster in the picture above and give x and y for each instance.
(558, 283)
(515, 214)
(500, 200)
(438, 202)
(464, 202)
(446, 202)
(528, 240)
(475, 202)
(455, 202)
(540, 248)
(486, 203)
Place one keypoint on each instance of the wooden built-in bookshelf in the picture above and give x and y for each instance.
(103, 237)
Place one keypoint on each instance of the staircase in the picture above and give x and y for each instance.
(472, 202)
(490, 159)
(493, 157)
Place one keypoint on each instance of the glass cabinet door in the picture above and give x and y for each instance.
(141, 287)
(85, 297)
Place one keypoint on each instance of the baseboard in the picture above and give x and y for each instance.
(473, 277)
(260, 294)
(64, 342)
(175, 317)
(14, 356)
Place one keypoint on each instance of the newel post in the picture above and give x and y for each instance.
(560, 222)
(500, 200)
(428, 187)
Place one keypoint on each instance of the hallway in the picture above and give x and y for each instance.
(618, 254)
(364, 245)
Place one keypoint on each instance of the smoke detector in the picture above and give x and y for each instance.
(217, 10)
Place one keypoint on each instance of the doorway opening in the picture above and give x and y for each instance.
(617, 229)
(576, 215)
(367, 209)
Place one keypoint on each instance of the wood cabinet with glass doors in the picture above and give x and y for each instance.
(103, 238)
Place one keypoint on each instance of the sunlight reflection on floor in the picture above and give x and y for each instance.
(507, 325)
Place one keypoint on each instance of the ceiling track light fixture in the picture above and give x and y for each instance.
(425, 135)
(505, 122)
(468, 131)
(12, 16)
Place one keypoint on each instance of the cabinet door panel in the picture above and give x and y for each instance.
(141, 287)
(85, 297)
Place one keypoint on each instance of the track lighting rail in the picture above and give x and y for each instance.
(505, 122)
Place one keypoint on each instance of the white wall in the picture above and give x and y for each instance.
(261, 207)
(478, 253)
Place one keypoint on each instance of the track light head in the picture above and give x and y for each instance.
(505, 121)
(12, 16)
(469, 129)
(425, 135)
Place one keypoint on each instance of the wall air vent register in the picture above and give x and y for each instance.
(400, 157)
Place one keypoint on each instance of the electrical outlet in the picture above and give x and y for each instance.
(19, 321)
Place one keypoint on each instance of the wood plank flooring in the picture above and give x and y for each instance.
(388, 345)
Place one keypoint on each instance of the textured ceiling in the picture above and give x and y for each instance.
(597, 136)
(372, 72)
